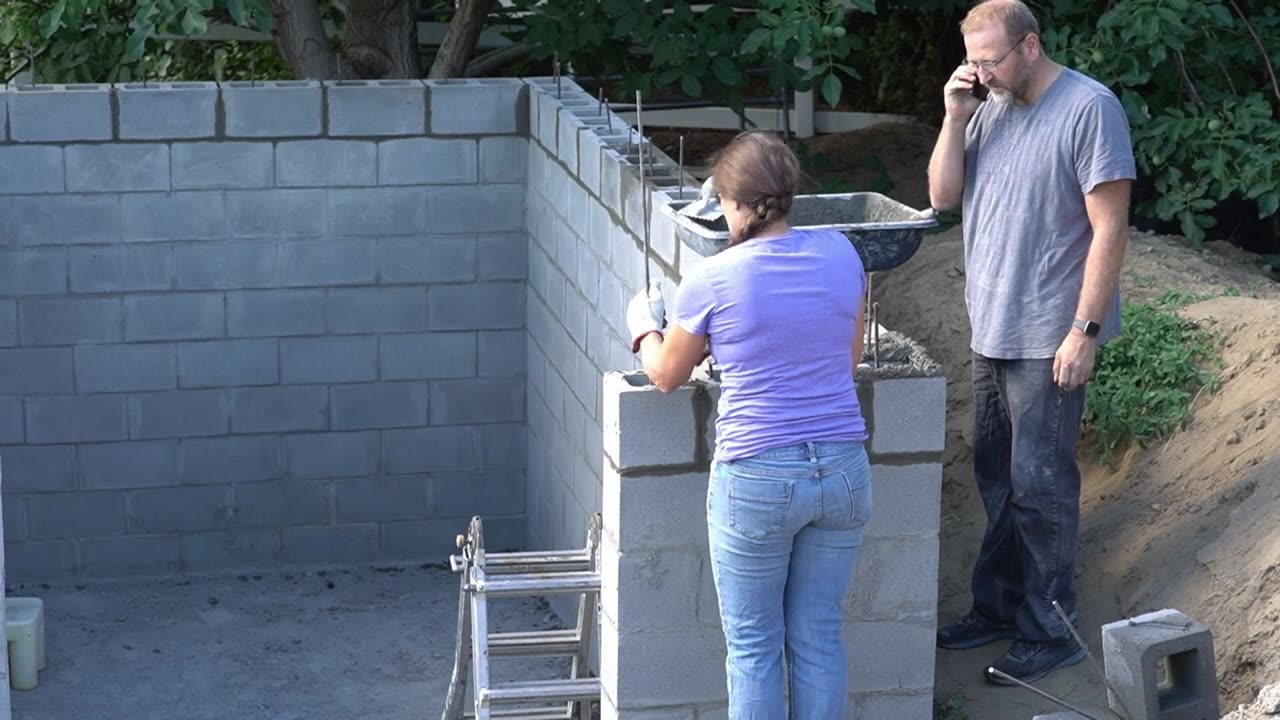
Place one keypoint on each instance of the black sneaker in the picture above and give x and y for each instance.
(1029, 661)
(973, 631)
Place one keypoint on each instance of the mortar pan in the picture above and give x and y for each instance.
(885, 232)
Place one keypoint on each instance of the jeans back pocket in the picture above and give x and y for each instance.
(758, 507)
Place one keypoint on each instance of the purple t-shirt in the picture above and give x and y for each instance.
(779, 313)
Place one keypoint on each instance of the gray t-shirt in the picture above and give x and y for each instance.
(1026, 232)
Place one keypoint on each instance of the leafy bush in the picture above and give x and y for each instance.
(1145, 379)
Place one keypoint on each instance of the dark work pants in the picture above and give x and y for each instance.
(1024, 444)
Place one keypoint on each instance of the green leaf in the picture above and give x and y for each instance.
(691, 86)
(1221, 14)
(194, 23)
(755, 41)
(137, 44)
(831, 88)
(725, 70)
(1268, 204)
(238, 15)
(52, 20)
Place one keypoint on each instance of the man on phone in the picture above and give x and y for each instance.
(1042, 169)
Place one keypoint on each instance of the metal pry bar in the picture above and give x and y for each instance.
(1088, 655)
(1041, 693)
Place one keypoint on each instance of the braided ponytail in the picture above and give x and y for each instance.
(758, 170)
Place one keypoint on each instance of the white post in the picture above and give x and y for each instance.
(803, 124)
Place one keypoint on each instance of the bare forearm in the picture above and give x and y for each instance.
(946, 166)
(1102, 273)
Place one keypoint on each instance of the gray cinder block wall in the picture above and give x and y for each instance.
(260, 325)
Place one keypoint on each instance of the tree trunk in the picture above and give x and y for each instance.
(464, 31)
(302, 39)
(381, 39)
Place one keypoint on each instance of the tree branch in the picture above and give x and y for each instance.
(1182, 67)
(460, 41)
(494, 60)
(1275, 86)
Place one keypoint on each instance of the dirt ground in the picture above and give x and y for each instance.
(331, 646)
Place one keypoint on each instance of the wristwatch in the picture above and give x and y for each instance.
(1088, 327)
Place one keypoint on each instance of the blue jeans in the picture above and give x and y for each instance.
(1024, 457)
(784, 528)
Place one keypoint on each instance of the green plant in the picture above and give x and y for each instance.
(951, 707)
(1145, 379)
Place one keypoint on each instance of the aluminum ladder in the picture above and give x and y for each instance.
(523, 574)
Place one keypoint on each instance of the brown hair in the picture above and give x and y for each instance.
(1013, 15)
(760, 171)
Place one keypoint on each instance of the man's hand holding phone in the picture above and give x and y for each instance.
(963, 93)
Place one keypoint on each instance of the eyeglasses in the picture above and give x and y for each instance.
(991, 65)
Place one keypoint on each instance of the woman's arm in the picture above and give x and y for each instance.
(859, 331)
(669, 361)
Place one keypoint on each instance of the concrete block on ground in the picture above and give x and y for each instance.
(904, 659)
(376, 107)
(64, 220)
(1161, 665)
(428, 161)
(909, 415)
(167, 110)
(141, 555)
(324, 163)
(503, 159)
(59, 113)
(30, 169)
(327, 262)
(475, 107)
(117, 167)
(222, 165)
(898, 706)
(290, 108)
(239, 549)
(331, 546)
(645, 428)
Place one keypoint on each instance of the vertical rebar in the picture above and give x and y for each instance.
(644, 192)
(556, 70)
(31, 66)
(600, 102)
(253, 71)
(608, 114)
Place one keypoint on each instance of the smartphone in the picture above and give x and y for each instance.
(979, 90)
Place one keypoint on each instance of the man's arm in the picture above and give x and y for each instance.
(1108, 208)
(946, 165)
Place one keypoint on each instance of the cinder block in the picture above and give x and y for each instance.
(125, 368)
(332, 546)
(650, 590)
(40, 468)
(503, 447)
(127, 268)
(174, 316)
(76, 514)
(472, 107)
(646, 428)
(590, 147)
(279, 409)
(662, 229)
(15, 520)
(321, 163)
(557, 191)
(225, 265)
(235, 459)
(613, 310)
(382, 499)
(429, 259)
(585, 380)
(478, 400)
(344, 261)
(548, 120)
(424, 356)
(328, 359)
(227, 362)
(222, 550)
(67, 321)
(379, 405)
(74, 418)
(376, 107)
(897, 579)
(1160, 665)
(40, 560)
(431, 540)
(503, 159)
(910, 415)
(478, 209)
(383, 309)
(33, 272)
(673, 667)
(627, 259)
(599, 227)
(335, 454)
(567, 142)
(8, 323)
(222, 165)
(470, 494)
(59, 113)
(612, 168)
(174, 216)
(504, 256)
(277, 213)
(180, 509)
(152, 463)
(427, 161)
(436, 449)
(30, 169)
(655, 512)
(902, 706)
(272, 109)
(904, 659)
(503, 352)
(254, 313)
(282, 503)
(908, 500)
(377, 211)
(177, 414)
(167, 110)
(65, 220)
(11, 423)
(117, 167)
(478, 306)
(132, 555)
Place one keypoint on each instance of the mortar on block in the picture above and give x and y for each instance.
(885, 232)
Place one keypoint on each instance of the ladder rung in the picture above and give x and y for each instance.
(541, 584)
(534, 643)
(530, 562)
(517, 713)
(544, 691)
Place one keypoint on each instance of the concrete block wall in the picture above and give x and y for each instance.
(250, 325)
(661, 644)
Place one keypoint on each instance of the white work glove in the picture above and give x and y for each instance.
(646, 313)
